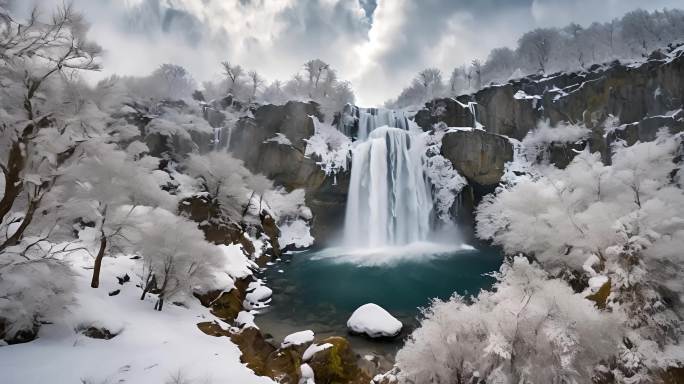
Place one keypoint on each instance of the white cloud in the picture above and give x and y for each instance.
(379, 53)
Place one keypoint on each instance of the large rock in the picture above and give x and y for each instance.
(374, 321)
(336, 363)
(478, 156)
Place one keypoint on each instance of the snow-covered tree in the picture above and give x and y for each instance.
(237, 191)
(234, 75)
(42, 127)
(617, 226)
(529, 329)
(537, 46)
(177, 258)
(104, 188)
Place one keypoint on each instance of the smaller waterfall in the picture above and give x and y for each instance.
(372, 118)
(389, 199)
(358, 123)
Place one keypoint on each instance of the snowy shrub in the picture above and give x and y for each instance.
(329, 147)
(238, 191)
(529, 328)
(177, 258)
(536, 143)
(32, 292)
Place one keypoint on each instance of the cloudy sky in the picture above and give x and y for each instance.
(378, 45)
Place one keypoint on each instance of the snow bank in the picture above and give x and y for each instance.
(374, 321)
(150, 347)
(298, 338)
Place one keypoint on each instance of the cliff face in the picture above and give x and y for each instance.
(642, 97)
(283, 161)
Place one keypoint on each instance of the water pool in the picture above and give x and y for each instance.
(319, 290)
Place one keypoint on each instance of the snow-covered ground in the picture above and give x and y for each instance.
(150, 347)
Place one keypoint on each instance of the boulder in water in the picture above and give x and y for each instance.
(374, 321)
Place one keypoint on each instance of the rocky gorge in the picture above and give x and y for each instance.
(614, 102)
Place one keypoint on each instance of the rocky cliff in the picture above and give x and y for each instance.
(273, 142)
(642, 97)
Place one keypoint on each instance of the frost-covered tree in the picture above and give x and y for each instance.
(177, 258)
(427, 85)
(255, 82)
(32, 57)
(42, 126)
(237, 191)
(234, 75)
(529, 329)
(617, 227)
(105, 187)
(535, 47)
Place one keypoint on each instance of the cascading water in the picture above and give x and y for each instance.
(389, 201)
(372, 118)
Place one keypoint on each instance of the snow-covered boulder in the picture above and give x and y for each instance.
(298, 338)
(374, 321)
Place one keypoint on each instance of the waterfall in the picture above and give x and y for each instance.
(372, 118)
(389, 201)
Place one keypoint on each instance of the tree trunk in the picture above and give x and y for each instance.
(13, 184)
(28, 217)
(95, 282)
(150, 282)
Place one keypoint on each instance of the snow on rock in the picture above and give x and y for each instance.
(245, 319)
(307, 374)
(258, 295)
(150, 346)
(596, 282)
(374, 321)
(314, 349)
(447, 182)
(295, 233)
(297, 338)
(521, 95)
(279, 138)
(236, 266)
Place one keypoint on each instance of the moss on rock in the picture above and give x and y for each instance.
(337, 364)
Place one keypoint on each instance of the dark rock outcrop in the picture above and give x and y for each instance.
(635, 94)
(478, 156)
